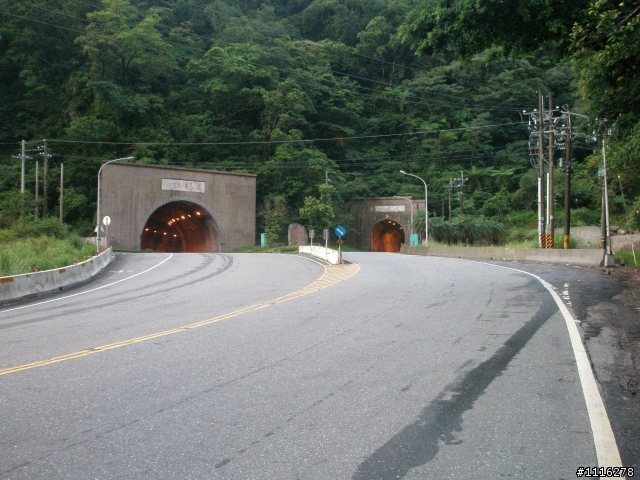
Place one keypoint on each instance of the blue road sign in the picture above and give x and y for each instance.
(340, 231)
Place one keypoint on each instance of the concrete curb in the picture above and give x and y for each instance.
(581, 257)
(326, 254)
(30, 284)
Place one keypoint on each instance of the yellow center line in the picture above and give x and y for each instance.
(332, 275)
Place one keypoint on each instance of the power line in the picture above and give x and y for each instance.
(268, 142)
(486, 106)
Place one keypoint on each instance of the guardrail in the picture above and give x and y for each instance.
(326, 254)
(29, 284)
(582, 257)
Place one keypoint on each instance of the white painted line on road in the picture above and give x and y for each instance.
(605, 442)
(87, 291)
(333, 274)
(312, 260)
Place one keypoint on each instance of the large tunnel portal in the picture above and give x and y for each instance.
(180, 227)
(387, 236)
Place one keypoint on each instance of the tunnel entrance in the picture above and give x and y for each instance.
(387, 236)
(180, 227)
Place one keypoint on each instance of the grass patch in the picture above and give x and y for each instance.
(23, 255)
(132, 250)
(627, 257)
(258, 249)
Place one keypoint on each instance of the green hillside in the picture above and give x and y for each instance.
(298, 90)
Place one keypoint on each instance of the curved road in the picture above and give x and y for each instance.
(414, 367)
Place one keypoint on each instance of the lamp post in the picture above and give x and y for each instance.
(426, 206)
(98, 206)
(410, 213)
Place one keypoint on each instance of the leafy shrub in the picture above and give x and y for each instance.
(23, 255)
(466, 230)
(585, 216)
(30, 227)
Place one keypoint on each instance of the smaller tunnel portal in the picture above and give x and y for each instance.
(180, 227)
(387, 236)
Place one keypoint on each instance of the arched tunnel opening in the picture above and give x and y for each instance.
(180, 227)
(387, 236)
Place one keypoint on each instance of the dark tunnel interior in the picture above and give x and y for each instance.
(180, 227)
(387, 236)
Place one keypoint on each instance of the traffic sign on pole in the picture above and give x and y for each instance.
(340, 231)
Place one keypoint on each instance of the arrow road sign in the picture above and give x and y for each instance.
(340, 231)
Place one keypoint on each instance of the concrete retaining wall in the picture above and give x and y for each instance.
(623, 242)
(326, 254)
(581, 257)
(28, 284)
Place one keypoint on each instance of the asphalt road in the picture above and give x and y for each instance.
(415, 367)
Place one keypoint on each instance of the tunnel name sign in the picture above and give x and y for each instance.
(182, 185)
(389, 208)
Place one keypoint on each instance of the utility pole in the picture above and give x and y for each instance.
(23, 157)
(608, 257)
(61, 189)
(45, 154)
(624, 203)
(567, 184)
(450, 187)
(541, 229)
(37, 187)
(550, 220)
(460, 193)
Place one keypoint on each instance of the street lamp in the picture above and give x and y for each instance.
(426, 206)
(410, 212)
(98, 208)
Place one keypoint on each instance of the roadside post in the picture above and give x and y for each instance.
(312, 233)
(106, 220)
(340, 232)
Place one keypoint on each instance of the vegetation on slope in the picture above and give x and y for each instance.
(297, 91)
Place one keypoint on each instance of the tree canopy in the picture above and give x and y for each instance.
(298, 91)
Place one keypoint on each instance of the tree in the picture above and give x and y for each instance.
(319, 211)
(467, 27)
(274, 211)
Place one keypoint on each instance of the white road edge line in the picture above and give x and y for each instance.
(605, 442)
(86, 291)
(311, 260)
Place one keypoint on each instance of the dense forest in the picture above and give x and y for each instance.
(297, 91)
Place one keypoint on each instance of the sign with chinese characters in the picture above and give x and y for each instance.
(389, 208)
(182, 185)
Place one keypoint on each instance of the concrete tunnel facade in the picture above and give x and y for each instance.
(177, 209)
(383, 224)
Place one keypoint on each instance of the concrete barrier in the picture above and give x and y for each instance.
(29, 284)
(326, 254)
(581, 257)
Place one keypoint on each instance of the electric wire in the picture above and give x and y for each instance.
(486, 106)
